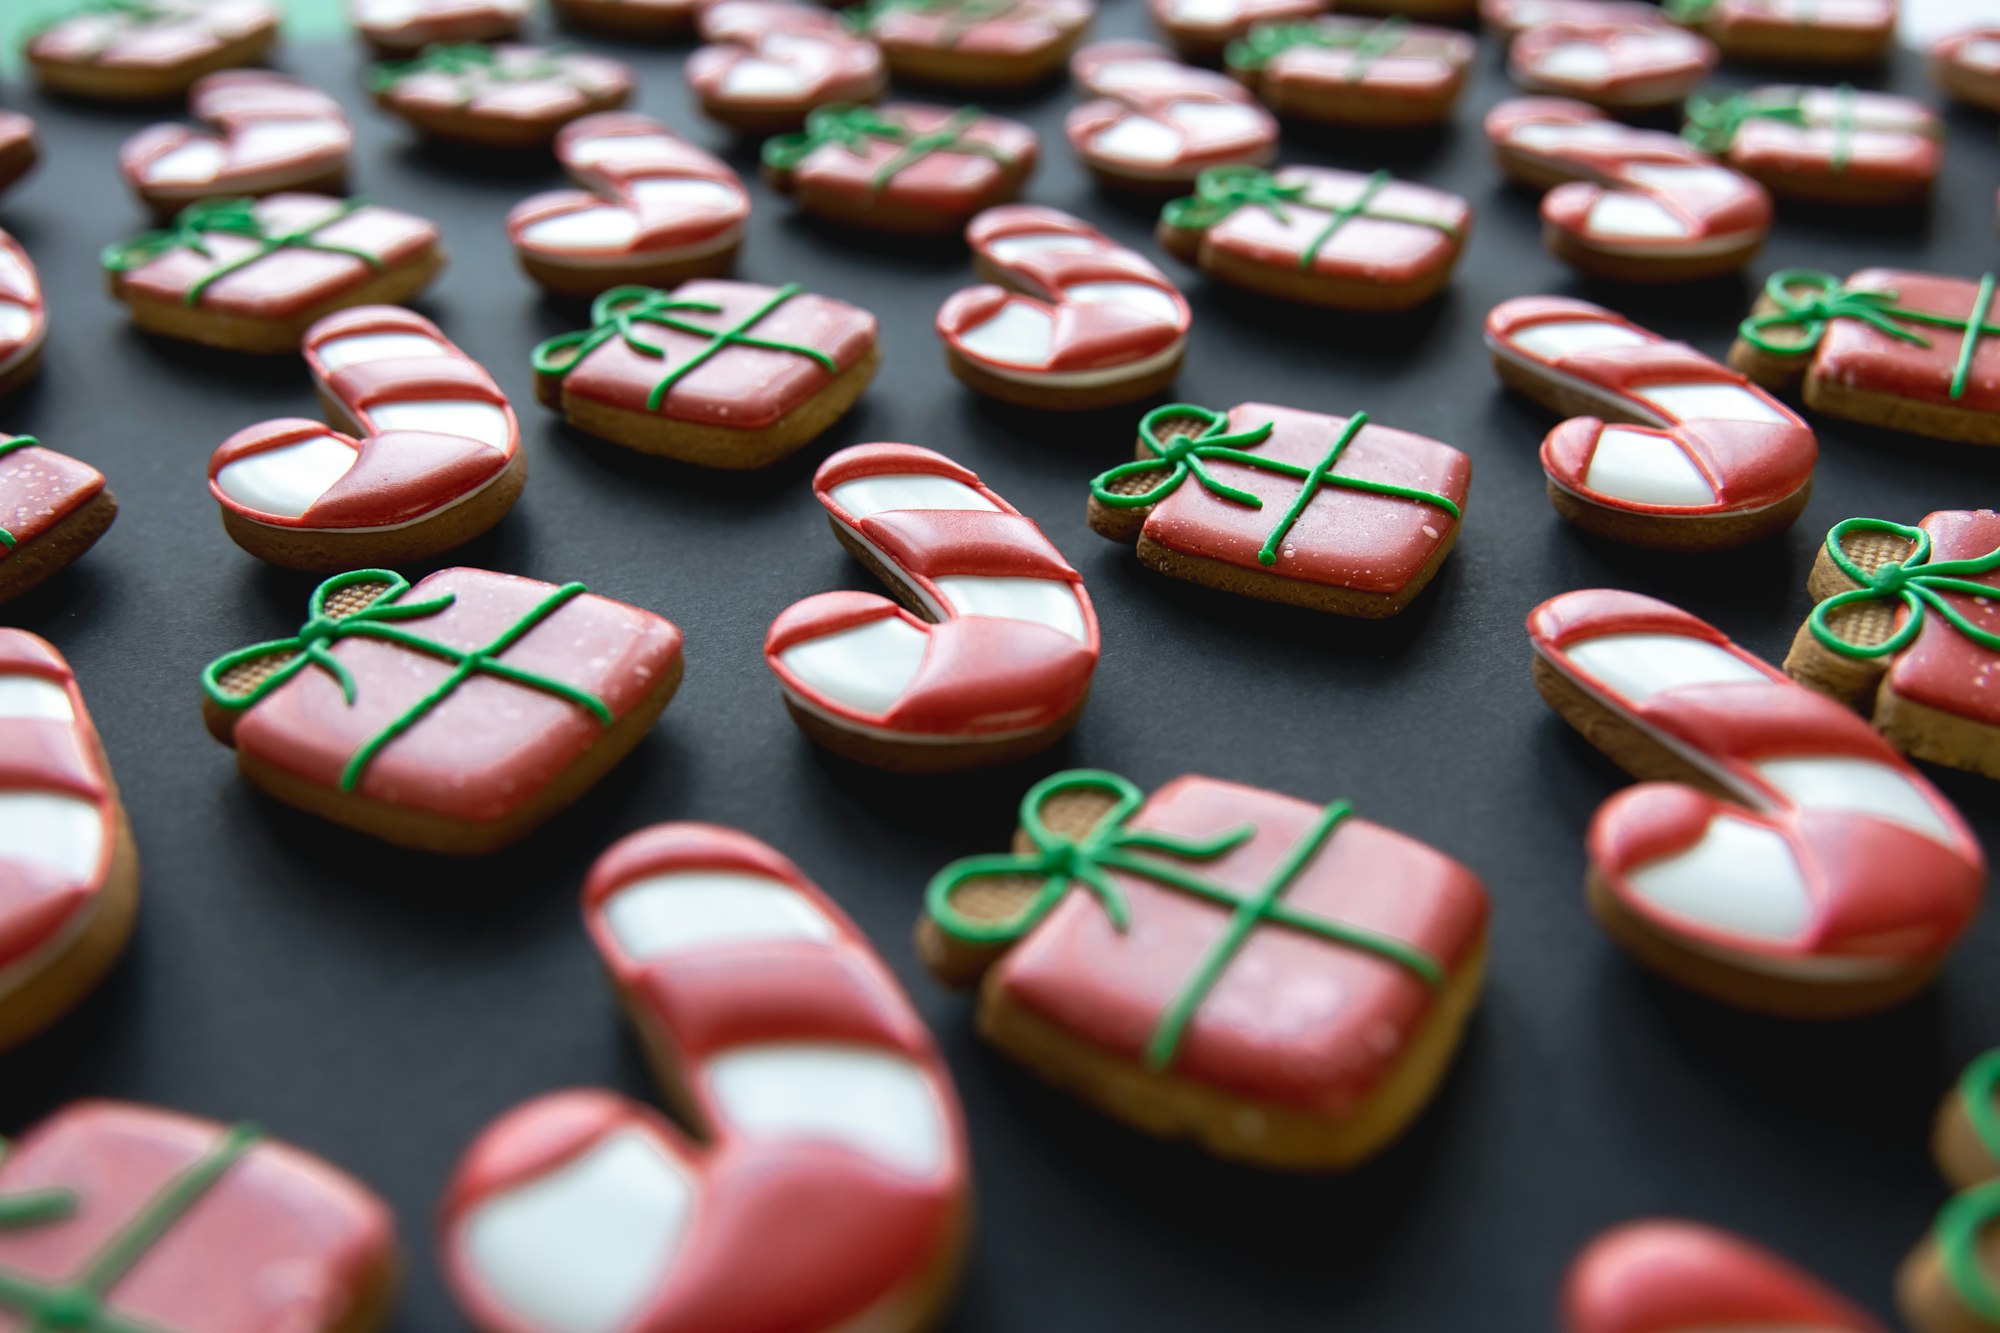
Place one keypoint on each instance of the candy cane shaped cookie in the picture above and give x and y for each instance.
(654, 210)
(69, 872)
(1068, 319)
(1202, 29)
(817, 1177)
(434, 458)
(1793, 32)
(996, 662)
(767, 64)
(499, 96)
(1967, 66)
(53, 508)
(1622, 66)
(1832, 145)
(404, 27)
(1635, 205)
(1784, 858)
(1667, 448)
(24, 318)
(148, 50)
(1681, 1277)
(19, 149)
(1345, 71)
(265, 133)
(1155, 123)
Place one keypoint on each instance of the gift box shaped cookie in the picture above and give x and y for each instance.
(53, 508)
(507, 96)
(1830, 144)
(901, 167)
(148, 50)
(1343, 71)
(1793, 32)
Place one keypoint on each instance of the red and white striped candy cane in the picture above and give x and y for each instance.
(24, 319)
(767, 63)
(1155, 120)
(264, 133)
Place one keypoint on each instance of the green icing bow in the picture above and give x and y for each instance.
(859, 128)
(471, 63)
(1064, 863)
(1809, 300)
(1914, 581)
(1221, 191)
(1714, 122)
(312, 646)
(619, 312)
(1267, 41)
(1963, 1220)
(961, 16)
(1180, 456)
(193, 226)
(7, 541)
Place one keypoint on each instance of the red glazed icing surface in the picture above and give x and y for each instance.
(1944, 669)
(39, 488)
(1295, 1020)
(1639, 56)
(282, 1239)
(1858, 356)
(493, 745)
(40, 901)
(273, 132)
(943, 181)
(741, 388)
(1676, 1277)
(286, 282)
(408, 25)
(1798, 17)
(1019, 28)
(824, 61)
(1139, 79)
(24, 320)
(756, 1194)
(1904, 148)
(1208, 20)
(629, 161)
(1423, 62)
(513, 92)
(188, 30)
(1377, 250)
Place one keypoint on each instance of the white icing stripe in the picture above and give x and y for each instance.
(1858, 786)
(1011, 249)
(340, 353)
(1621, 214)
(64, 833)
(1045, 601)
(1739, 877)
(472, 420)
(1557, 339)
(192, 163)
(16, 321)
(1712, 402)
(867, 496)
(1638, 666)
(1646, 467)
(1142, 297)
(874, 1102)
(31, 697)
(1020, 333)
(865, 668)
(285, 482)
(598, 227)
(693, 911)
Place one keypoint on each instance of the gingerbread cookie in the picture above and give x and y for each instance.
(1965, 1138)
(498, 96)
(1967, 66)
(768, 63)
(19, 149)
(1156, 124)
(640, 20)
(1068, 319)
(1343, 71)
(425, 454)
(1830, 145)
(1202, 29)
(1280, 981)
(1677, 1277)
(1510, 18)
(1618, 66)
(719, 374)
(24, 316)
(1332, 513)
(1634, 205)
(1666, 448)
(817, 1122)
(66, 853)
(901, 167)
(264, 134)
(1951, 1282)
(1793, 32)
(1319, 236)
(148, 50)
(52, 509)
(1452, 10)
(455, 716)
(120, 1216)
(1906, 632)
(973, 45)
(405, 27)
(253, 275)
(1782, 857)
(654, 210)
(994, 664)
(1909, 351)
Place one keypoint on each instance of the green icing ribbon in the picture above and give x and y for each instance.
(80, 1304)
(312, 646)
(1267, 41)
(619, 312)
(1064, 863)
(228, 217)
(961, 16)
(1181, 455)
(859, 128)
(1978, 1086)
(1959, 1225)
(472, 64)
(1809, 300)
(1915, 582)
(1714, 122)
(1221, 191)
(7, 540)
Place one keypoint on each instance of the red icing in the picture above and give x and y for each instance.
(281, 1240)
(1676, 1277)
(274, 132)
(1857, 356)
(1943, 669)
(20, 286)
(755, 1194)
(1091, 334)
(1139, 79)
(1295, 1020)
(955, 183)
(1748, 464)
(1383, 251)
(1421, 63)
(513, 92)
(828, 62)
(410, 25)
(1900, 156)
(39, 488)
(493, 745)
(1345, 538)
(1797, 18)
(1244, 15)
(194, 30)
(1643, 59)
(1017, 28)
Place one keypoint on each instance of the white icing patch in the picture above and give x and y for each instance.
(1133, 295)
(1633, 215)
(1557, 134)
(752, 77)
(1204, 11)
(190, 164)
(694, 193)
(343, 352)
(612, 148)
(1983, 52)
(1008, 249)
(865, 668)
(1020, 334)
(475, 421)
(16, 321)
(1139, 139)
(1859, 786)
(600, 228)
(285, 482)
(865, 496)
(1645, 467)
(1576, 62)
(62, 832)
(1683, 181)
(1638, 666)
(268, 140)
(1133, 75)
(1220, 119)
(15, 275)
(1558, 339)
(1045, 601)
(582, 1249)
(1737, 877)
(875, 1102)
(35, 698)
(1711, 402)
(695, 910)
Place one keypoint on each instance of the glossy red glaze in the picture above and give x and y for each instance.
(1890, 140)
(39, 488)
(1387, 252)
(676, 197)
(524, 83)
(1860, 357)
(1420, 62)
(1677, 1277)
(1943, 669)
(942, 181)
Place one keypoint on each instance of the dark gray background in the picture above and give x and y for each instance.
(381, 1007)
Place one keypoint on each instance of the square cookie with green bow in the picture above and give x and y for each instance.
(1333, 513)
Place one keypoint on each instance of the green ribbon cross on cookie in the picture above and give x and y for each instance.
(1914, 581)
(1809, 300)
(7, 540)
(858, 128)
(1064, 863)
(1267, 41)
(191, 229)
(473, 65)
(961, 16)
(1714, 122)
(1221, 191)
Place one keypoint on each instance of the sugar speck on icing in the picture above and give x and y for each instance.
(692, 911)
(875, 1102)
